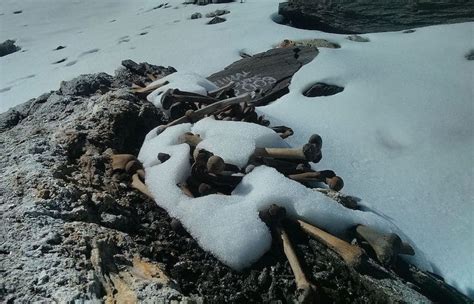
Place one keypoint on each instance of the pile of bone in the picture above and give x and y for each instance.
(211, 175)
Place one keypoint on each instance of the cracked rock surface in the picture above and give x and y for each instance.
(72, 231)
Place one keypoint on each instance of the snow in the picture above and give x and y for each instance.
(400, 134)
(185, 81)
(229, 226)
(235, 142)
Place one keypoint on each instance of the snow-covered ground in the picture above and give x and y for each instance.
(401, 132)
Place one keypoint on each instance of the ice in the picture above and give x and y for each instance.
(184, 81)
(229, 226)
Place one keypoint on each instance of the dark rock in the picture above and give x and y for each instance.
(196, 16)
(8, 47)
(205, 2)
(373, 16)
(60, 61)
(216, 20)
(269, 72)
(59, 48)
(470, 55)
(357, 38)
(17, 12)
(408, 31)
(217, 13)
(86, 85)
(137, 73)
(322, 89)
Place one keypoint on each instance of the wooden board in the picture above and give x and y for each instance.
(269, 73)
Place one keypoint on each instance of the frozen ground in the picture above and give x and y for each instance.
(400, 133)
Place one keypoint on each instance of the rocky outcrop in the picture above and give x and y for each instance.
(373, 16)
(74, 231)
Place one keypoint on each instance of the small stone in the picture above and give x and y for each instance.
(358, 38)
(216, 20)
(8, 47)
(470, 55)
(408, 31)
(196, 16)
(322, 89)
(44, 194)
(217, 13)
(176, 225)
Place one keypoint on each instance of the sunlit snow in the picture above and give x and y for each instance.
(400, 134)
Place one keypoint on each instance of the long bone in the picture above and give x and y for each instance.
(143, 90)
(193, 116)
(273, 217)
(218, 92)
(328, 177)
(172, 96)
(351, 254)
(285, 167)
(140, 186)
(308, 152)
(387, 246)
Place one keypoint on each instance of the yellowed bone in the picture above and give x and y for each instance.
(351, 254)
(140, 186)
(119, 161)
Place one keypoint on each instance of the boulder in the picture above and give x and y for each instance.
(365, 16)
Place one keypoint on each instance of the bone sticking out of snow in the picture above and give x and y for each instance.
(234, 141)
(185, 81)
(229, 226)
